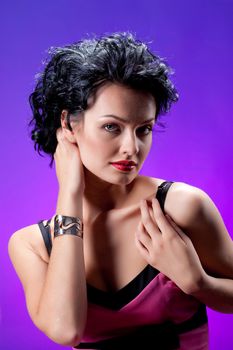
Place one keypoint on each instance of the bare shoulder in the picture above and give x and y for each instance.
(148, 185)
(177, 193)
(29, 237)
(180, 194)
(193, 210)
(184, 202)
(30, 260)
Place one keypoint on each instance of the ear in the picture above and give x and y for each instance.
(68, 133)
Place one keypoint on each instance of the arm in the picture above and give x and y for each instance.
(203, 224)
(64, 294)
(196, 214)
(55, 292)
(216, 293)
(190, 245)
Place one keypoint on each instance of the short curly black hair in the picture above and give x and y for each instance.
(73, 72)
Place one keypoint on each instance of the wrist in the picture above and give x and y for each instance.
(202, 285)
(75, 193)
(67, 225)
(69, 204)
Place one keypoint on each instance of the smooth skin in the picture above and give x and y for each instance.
(190, 244)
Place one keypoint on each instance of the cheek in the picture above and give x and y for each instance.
(92, 150)
(145, 147)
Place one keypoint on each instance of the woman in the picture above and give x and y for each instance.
(129, 268)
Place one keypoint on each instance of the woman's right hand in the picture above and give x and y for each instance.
(69, 167)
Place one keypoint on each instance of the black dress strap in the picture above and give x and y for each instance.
(162, 192)
(45, 230)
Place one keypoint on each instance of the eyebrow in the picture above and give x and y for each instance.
(124, 120)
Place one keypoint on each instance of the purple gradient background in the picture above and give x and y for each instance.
(196, 39)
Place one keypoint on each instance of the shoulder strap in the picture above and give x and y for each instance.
(162, 192)
(46, 235)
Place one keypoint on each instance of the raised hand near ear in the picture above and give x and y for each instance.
(69, 167)
(167, 248)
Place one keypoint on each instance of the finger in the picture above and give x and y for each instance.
(142, 249)
(59, 142)
(146, 219)
(153, 219)
(160, 218)
(178, 229)
(143, 235)
(63, 142)
(173, 223)
(59, 134)
(150, 209)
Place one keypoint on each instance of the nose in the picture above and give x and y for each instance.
(129, 143)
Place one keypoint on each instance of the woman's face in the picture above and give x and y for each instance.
(104, 139)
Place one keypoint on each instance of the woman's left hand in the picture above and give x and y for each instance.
(168, 249)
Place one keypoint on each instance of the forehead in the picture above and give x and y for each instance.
(113, 98)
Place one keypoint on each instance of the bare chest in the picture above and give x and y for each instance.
(111, 256)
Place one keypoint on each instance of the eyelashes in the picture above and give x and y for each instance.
(115, 129)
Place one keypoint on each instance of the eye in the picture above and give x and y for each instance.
(146, 129)
(110, 127)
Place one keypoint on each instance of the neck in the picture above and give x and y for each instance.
(100, 196)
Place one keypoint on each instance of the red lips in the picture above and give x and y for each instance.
(125, 162)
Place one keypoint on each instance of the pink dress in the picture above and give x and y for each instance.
(150, 312)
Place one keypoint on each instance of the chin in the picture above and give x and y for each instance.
(111, 178)
(123, 179)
